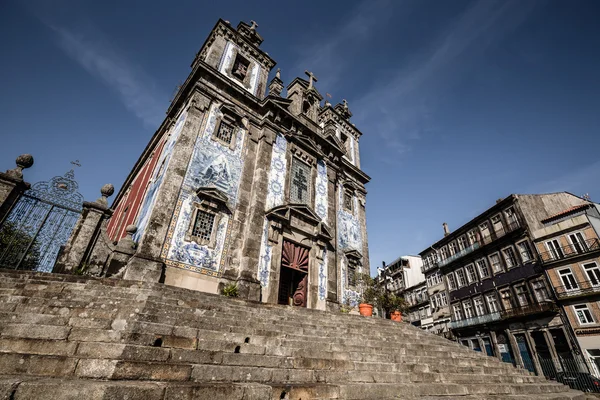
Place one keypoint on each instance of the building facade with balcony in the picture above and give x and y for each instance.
(569, 250)
(499, 300)
(419, 310)
(438, 295)
(401, 273)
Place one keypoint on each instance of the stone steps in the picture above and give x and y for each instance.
(66, 337)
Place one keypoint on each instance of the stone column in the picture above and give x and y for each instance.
(332, 262)
(12, 185)
(515, 348)
(494, 341)
(146, 264)
(85, 233)
(257, 190)
(534, 354)
(123, 252)
(551, 346)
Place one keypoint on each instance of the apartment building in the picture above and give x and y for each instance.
(402, 273)
(569, 251)
(499, 299)
(419, 311)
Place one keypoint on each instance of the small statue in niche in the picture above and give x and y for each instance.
(240, 68)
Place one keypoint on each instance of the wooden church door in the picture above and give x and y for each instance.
(293, 277)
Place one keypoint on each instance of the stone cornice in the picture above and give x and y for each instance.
(328, 113)
(226, 31)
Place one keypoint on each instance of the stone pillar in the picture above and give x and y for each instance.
(85, 233)
(332, 263)
(247, 281)
(494, 341)
(515, 348)
(146, 264)
(551, 346)
(123, 252)
(534, 354)
(12, 185)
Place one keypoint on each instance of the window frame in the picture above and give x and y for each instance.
(585, 306)
(497, 304)
(469, 280)
(464, 276)
(211, 242)
(309, 190)
(500, 263)
(580, 241)
(452, 286)
(530, 252)
(471, 312)
(512, 250)
(487, 268)
(457, 311)
(561, 274)
(556, 252)
(586, 271)
(479, 301)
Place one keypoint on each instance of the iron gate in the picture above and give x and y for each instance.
(40, 223)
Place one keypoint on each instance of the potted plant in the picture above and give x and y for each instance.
(393, 305)
(369, 293)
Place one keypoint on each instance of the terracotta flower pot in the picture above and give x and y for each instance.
(396, 316)
(366, 310)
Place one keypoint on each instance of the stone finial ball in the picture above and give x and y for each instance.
(107, 190)
(24, 160)
(131, 229)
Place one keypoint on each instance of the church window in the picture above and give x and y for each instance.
(346, 141)
(351, 274)
(300, 182)
(203, 225)
(225, 133)
(347, 200)
(240, 67)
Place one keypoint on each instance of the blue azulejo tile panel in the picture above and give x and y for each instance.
(212, 165)
(191, 253)
(349, 235)
(323, 277)
(226, 64)
(321, 198)
(277, 173)
(264, 261)
(157, 177)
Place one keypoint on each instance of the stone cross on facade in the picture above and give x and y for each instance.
(345, 104)
(301, 182)
(254, 25)
(76, 163)
(311, 78)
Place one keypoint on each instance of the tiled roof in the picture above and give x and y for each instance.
(566, 212)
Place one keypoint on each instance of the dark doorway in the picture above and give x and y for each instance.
(293, 279)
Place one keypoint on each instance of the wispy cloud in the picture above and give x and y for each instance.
(399, 108)
(324, 57)
(93, 52)
(578, 181)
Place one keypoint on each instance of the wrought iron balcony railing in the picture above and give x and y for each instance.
(458, 255)
(579, 289)
(570, 251)
(480, 319)
(513, 225)
(427, 266)
(528, 310)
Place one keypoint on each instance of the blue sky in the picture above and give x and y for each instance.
(460, 102)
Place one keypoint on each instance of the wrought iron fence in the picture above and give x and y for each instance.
(529, 309)
(570, 371)
(581, 287)
(480, 319)
(571, 250)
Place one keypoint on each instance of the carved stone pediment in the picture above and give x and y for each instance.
(305, 143)
(213, 198)
(291, 214)
(353, 255)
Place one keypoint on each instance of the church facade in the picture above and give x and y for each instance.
(241, 185)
